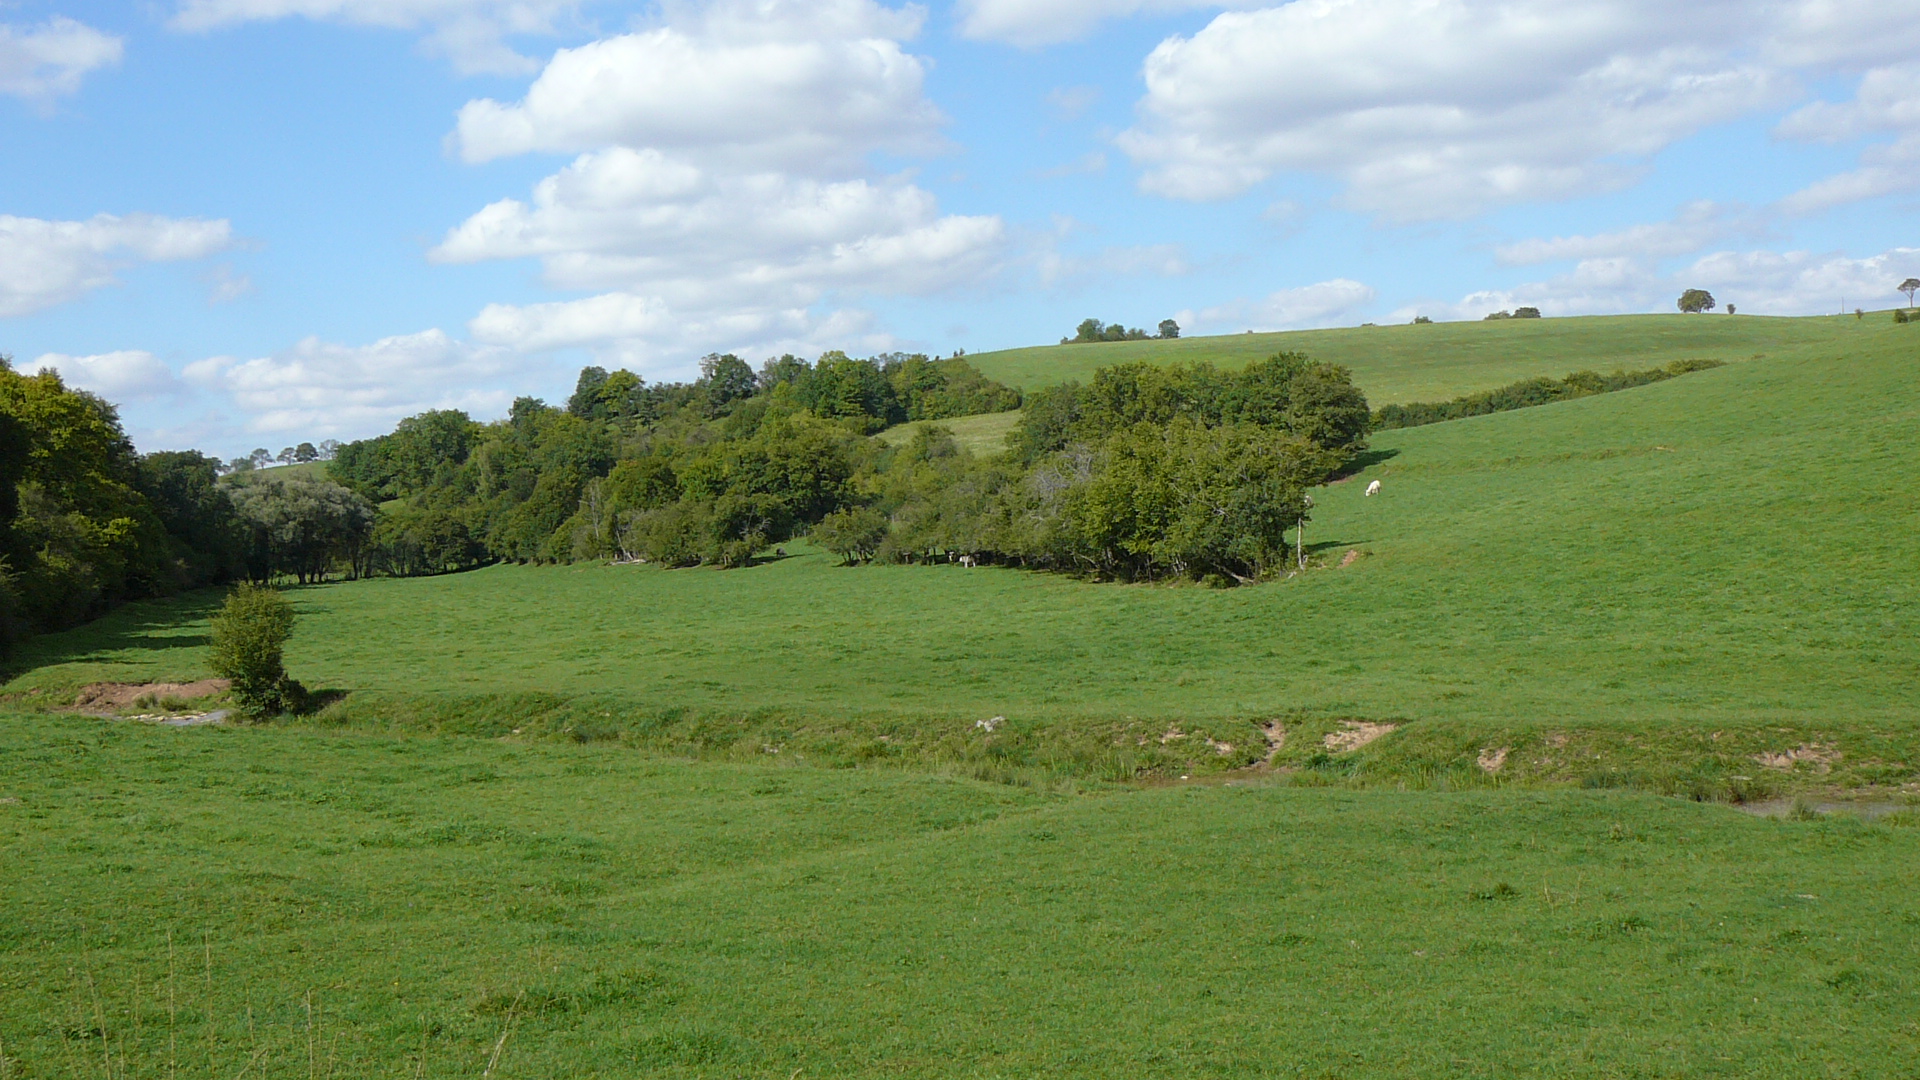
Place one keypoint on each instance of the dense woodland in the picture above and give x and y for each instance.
(1143, 473)
(1146, 472)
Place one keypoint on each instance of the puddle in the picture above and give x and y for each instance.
(1866, 811)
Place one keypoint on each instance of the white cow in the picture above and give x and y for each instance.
(967, 561)
(1373, 488)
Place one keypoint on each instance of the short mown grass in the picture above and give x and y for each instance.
(208, 902)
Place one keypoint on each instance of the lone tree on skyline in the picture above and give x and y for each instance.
(1910, 286)
(1695, 301)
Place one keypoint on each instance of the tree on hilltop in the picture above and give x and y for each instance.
(1695, 301)
(1910, 286)
(1169, 329)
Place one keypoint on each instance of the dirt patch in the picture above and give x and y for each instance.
(1352, 556)
(1354, 734)
(1822, 757)
(109, 695)
(1172, 734)
(1490, 760)
(1276, 734)
(1221, 748)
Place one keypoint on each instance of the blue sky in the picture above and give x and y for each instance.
(252, 222)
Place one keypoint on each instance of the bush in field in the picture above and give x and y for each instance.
(1529, 392)
(249, 635)
(854, 534)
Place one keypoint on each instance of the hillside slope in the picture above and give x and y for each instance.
(1732, 548)
(1444, 360)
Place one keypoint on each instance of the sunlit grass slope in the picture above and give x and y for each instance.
(1445, 360)
(985, 434)
(1734, 546)
(272, 903)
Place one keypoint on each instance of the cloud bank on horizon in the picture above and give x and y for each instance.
(589, 181)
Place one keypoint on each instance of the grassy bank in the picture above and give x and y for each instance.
(1434, 362)
(203, 902)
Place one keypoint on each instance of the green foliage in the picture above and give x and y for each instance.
(1909, 286)
(1528, 393)
(1093, 330)
(1168, 330)
(246, 645)
(1516, 313)
(853, 533)
(1695, 301)
(301, 526)
(1286, 392)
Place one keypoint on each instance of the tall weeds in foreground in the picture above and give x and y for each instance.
(108, 1032)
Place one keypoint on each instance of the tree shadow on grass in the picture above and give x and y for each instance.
(1360, 463)
(145, 626)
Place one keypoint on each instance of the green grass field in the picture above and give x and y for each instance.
(1713, 553)
(707, 823)
(1445, 360)
(221, 903)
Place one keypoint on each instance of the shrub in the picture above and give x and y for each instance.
(1899, 315)
(854, 534)
(249, 634)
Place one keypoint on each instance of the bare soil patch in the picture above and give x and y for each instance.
(1352, 556)
(1354, 734)
(108, 695)
(1491, 759)
(1822, 757)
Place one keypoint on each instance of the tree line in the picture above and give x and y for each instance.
(1142, 472)
(1527, 393)
(87, 523)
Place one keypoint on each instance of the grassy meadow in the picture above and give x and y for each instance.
(1709, 556)
(268, 902)
(1436, 361)
(809, 820)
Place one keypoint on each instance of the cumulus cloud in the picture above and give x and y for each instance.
(1803, 282)
(470, 33)
(1888, 100)
(1322, 304)
(1758, 282)
(44, 263)
(722, 188)
(1697, 225)
(771, 83)
(1031, 23)
(129, 375)
(642, 221)
(51, 59)
(1440, 108)
(324, 389)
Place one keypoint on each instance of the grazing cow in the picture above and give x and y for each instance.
(1373, 488)
(968, 561)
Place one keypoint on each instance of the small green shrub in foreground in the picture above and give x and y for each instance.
(249, 636)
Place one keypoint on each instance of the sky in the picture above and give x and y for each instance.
(251, 223)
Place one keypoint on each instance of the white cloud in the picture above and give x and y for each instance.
(1321, 304)
(44, 263)
(51, 59)
(470, 33)
(1440, 108)
(1031, 23)
(772, 83)
(1757, 282)
(321, 389)
(1696, 226)
(641, 221)
(1888, 100)
(129, 375)
(721, 190)
(1802, 282)
(646, 334)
